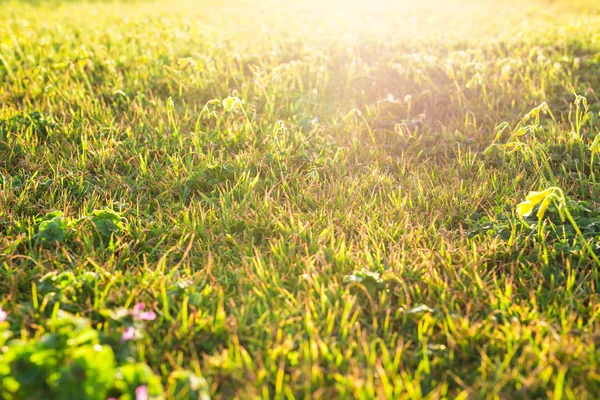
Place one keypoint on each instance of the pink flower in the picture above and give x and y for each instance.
(138, 314)
(128, 334)
(141, 393)
(3, 315)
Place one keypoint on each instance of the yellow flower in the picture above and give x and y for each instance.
(535, 197)
(525, 208)
(230, 103)
(543, 207)
(595, 146)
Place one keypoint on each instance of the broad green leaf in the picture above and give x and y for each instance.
(132, 376)
(52, 230)
(107, 223)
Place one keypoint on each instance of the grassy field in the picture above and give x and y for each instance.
(324, 199)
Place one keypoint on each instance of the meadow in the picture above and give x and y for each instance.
(286, 200)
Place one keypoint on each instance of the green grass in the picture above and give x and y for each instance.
(301, 193)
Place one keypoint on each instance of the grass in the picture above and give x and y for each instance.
(315, 200)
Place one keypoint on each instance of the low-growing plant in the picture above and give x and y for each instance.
(107, 223)
(55, 227)
(52, 228)
(71, 360)
(554, 195)
(34, 122)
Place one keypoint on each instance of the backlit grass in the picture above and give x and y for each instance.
(264, 199)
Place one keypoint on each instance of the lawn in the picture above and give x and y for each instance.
(299, 199)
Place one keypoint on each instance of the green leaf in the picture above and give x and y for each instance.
(107, 223)
(52, 230)
(88, 375)
(132, 376)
